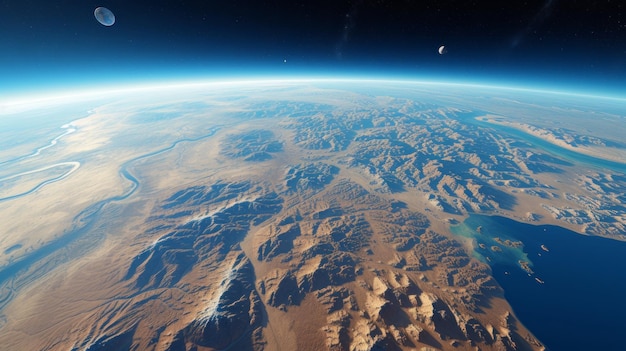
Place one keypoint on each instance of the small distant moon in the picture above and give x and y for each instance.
(104, 16)
(443, 49)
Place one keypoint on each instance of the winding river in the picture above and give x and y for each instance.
(19, 273)
(69, 129)
(75, 165)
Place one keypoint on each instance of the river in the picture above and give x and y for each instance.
(18, 273)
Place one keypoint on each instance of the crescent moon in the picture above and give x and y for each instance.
(442, 49)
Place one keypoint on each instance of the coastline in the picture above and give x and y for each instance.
(605, 153)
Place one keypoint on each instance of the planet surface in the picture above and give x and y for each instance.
(309, 215)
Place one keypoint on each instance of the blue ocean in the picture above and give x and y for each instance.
(568, 289)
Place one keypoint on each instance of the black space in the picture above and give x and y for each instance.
(575, 40)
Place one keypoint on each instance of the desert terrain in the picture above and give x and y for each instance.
(278, 219)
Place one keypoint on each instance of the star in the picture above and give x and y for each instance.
(536, 21)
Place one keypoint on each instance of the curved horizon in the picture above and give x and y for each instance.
(90, 92)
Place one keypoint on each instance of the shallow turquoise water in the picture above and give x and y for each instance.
(558, 151)
(581, 303)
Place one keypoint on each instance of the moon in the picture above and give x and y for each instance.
(104, 16)
(443, 49)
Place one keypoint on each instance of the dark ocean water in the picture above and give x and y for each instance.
(581, 304)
